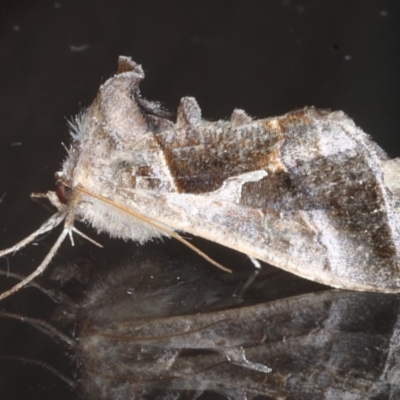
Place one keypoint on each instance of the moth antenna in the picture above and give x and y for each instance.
(41, 267)
(56, 296)
(49, 225)
(44, 365)
(42, 326)
(154, 224)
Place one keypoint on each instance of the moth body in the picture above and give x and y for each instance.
(308, 192)
(305, 192)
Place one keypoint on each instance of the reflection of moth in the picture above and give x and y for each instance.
(168, 329)
(308, 192)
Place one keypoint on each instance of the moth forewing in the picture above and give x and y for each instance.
(308, 191)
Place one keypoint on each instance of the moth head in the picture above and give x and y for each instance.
(63, 190)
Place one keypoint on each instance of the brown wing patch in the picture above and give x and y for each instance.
(344, 188)
(202, 159)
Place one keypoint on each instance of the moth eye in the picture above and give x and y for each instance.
(63, 192)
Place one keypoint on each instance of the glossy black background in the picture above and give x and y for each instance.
(264, 57)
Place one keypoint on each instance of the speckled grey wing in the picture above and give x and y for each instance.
(325, 204)
(307, 192)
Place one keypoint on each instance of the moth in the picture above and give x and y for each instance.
(162, 327)
(308, 192)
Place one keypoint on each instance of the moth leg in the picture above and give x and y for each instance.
(44, 327)
(51, 197)
(49, 225)
(42, 266)
(89, 239)
(168, 360)
(241, 292)
(56, 296)
(44, 365)
(238, 356)
(255, 262)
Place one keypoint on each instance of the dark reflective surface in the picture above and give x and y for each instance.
(158, 324)
(141, 335)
